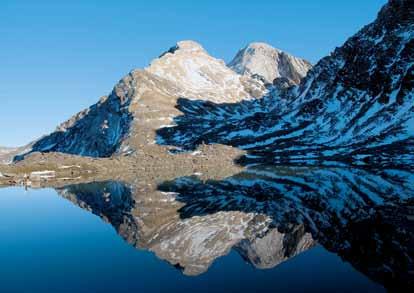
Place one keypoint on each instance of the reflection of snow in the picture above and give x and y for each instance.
(46, 174)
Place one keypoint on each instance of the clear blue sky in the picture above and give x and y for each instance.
(58, 57)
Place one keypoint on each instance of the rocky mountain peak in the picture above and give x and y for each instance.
(399, 10)
(269, 63)
(198, 74)
(262, 47)
(184, 46)
(144, 100)
(190, 46)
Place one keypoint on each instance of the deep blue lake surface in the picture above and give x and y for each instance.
(50, 244)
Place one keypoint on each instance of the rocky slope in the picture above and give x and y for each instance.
(6, 154)
(200, 76)
(125, 121)
(268, 63)
(355, 104)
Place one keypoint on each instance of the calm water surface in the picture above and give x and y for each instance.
(233, 235)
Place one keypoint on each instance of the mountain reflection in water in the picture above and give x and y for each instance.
(268, 214)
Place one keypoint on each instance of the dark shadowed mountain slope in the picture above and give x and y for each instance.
(358, 102)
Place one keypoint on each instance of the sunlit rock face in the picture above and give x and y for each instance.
(199, 75)
(356, 104)
(268, 214)
(268, 63)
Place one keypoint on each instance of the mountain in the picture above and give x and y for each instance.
(200, 76)
(356, 104)
(268, 63)
(125, 121)
(144, 100)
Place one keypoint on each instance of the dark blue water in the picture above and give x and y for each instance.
(48, 244)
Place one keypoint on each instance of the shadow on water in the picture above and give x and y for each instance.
(268, 214)
(111, 200)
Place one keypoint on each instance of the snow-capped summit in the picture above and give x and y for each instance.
(269, 63)
(189, 46)
(198, 74)
(145, 100)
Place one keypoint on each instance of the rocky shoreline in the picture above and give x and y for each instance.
(57, 169)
